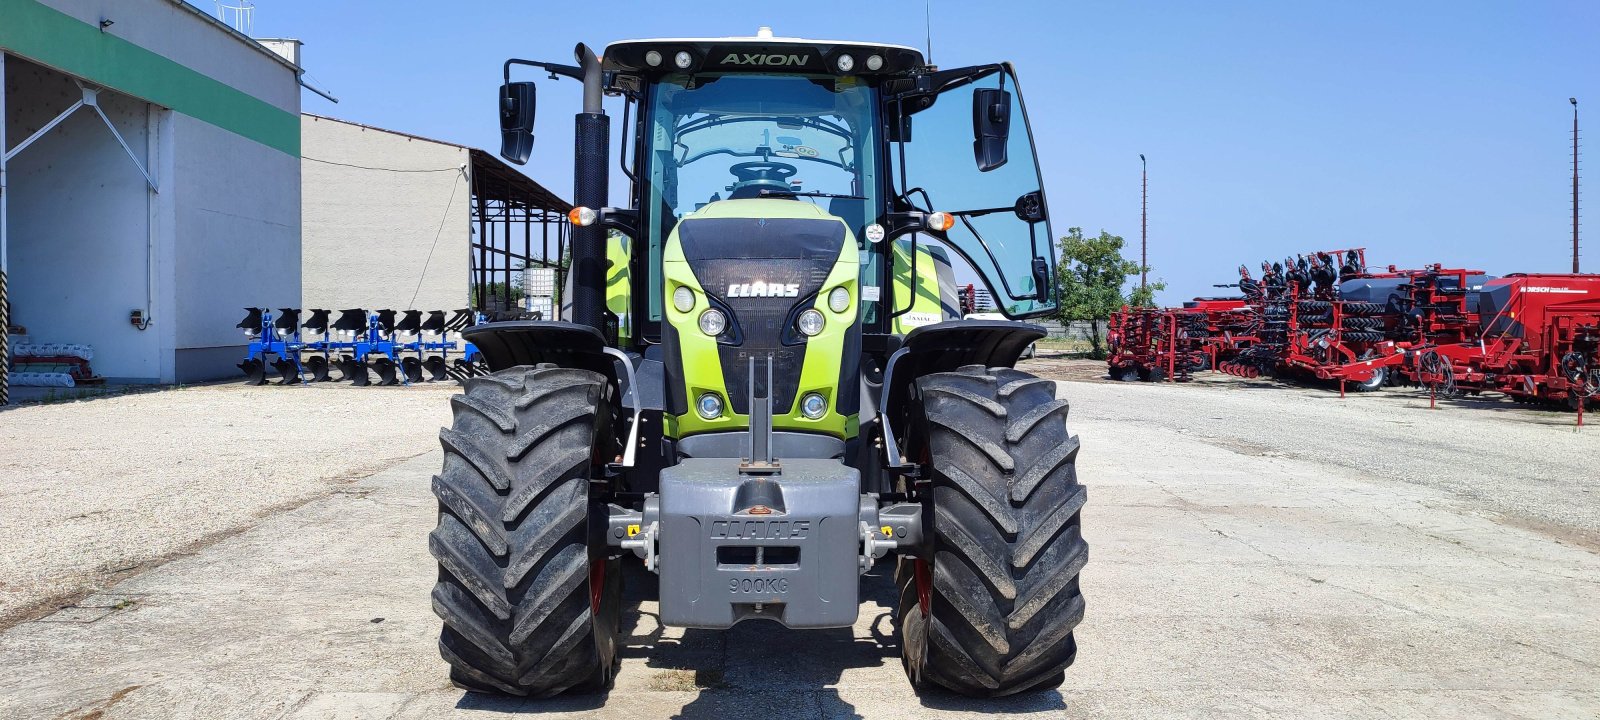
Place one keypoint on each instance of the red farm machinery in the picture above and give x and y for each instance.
(1538, 341)
(1155, 344)
(1326, 316)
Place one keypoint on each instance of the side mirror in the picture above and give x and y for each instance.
(516, 121)
(991, 127)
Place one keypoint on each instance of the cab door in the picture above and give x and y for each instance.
(959, 142)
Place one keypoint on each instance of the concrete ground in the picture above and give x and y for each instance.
(100, 489)
(1255, 553)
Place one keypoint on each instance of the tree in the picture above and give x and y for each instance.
(1089, 280)
(1145, 296)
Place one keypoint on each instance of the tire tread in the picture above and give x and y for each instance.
(1006, 542)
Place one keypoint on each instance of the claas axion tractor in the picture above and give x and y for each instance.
(762, 385)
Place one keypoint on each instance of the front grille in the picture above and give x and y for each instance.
(727, 252)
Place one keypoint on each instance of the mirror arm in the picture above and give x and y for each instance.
(555, 69)
(940, 81)
(623, 220)
(897, 224)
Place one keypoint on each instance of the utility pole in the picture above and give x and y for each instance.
(1574, 102)
(1144, 215)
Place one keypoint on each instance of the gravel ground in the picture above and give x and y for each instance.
(1520, 464)
(97, 490)
(1255, 553)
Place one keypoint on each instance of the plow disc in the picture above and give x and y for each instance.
(255, 372)
(436, 368)
(387, 371)
(1240, 370)
(288, 371)
(460, 369)
(412, 368)
(316, 366)
(354, 371)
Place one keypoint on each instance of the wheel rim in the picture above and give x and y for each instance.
(924, 577)
(597, 585)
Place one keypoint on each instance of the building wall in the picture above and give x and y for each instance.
(186, 34)
(225, 225)
(237, 242)
(385, 219)
(80, 222)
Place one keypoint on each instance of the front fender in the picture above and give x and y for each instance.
(942, 347)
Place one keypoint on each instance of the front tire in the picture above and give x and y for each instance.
(529, 598)
(991, 610)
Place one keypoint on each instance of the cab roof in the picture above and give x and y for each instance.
(762, 52)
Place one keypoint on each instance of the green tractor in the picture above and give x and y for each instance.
(762, 386)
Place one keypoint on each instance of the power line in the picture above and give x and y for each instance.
(381, 169)
(436, 234)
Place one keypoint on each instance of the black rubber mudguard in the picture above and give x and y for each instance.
(945, 346)
(531, 342)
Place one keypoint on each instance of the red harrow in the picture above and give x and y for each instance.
(1535, 338)
(1153, 344)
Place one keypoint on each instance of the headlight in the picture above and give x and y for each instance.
(652, 58)
(839, 300)
(813, 405)
(683, 299)
(713, 322)
(710, 406)
(875, 63)
(846, 63)
(682, 59)
(809, 323)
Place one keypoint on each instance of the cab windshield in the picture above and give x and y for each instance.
(734, 136)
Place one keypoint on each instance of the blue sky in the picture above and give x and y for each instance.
(1424, 131)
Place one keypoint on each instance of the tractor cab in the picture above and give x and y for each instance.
(761, 383)
(868, 132)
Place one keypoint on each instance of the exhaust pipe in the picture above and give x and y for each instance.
(591, 178)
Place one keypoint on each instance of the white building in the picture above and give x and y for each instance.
(398, 221)
(151, 166)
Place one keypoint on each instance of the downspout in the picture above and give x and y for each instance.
(5, 300)
(152, 150)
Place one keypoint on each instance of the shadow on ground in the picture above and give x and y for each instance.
(756, 668)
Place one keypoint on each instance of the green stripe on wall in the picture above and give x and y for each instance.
(46, 35)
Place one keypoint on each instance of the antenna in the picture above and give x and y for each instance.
(237, 14)
(1144, 214)
(927, 27)
(1574, 102)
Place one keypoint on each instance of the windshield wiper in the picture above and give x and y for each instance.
(796, 193)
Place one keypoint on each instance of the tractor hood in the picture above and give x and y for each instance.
(762, 262)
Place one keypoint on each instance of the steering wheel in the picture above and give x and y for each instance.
(753, 177)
